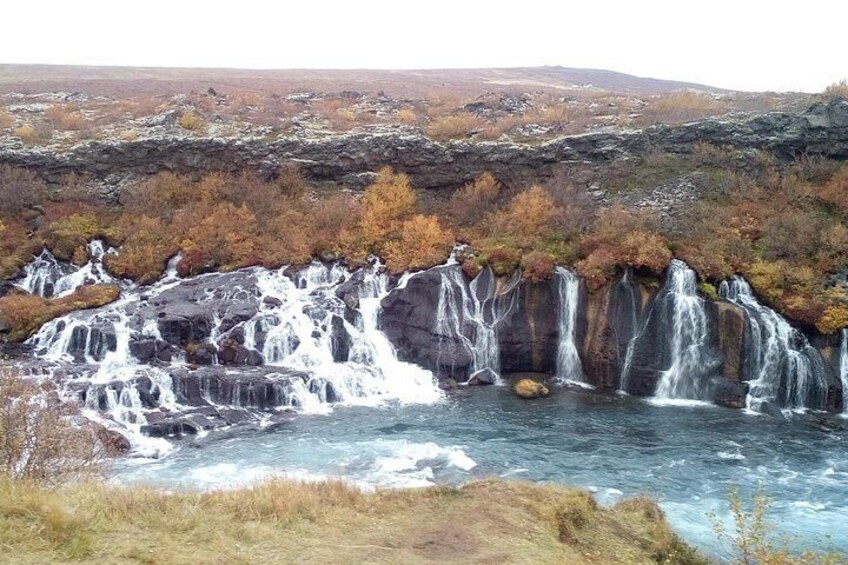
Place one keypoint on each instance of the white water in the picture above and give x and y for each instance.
(45, 276)
(483, 305)
(569, 366)
(298, 334)
(843, 369)
(685, 377)
(637, 329)
(781, 370)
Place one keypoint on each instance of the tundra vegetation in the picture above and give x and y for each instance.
(782, 226)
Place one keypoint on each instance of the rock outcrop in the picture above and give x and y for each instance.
(624, 337)
(352, 158)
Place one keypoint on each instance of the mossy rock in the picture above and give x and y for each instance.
(528, 388)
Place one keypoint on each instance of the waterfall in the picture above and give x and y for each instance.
(635, 329)
(299, 335)
(687, 374)
(292, 321)
(569, 366)
(782, 368)
(843, 369)
(479, 306)
(47, 277)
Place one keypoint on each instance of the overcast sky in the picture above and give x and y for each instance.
(738, 44)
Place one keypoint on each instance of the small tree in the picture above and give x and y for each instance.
(42, 439)
(750, 540)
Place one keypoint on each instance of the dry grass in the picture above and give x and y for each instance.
(285, 522)
(192, 121)
(681, 107)
(456, 126)
(837, 91)
(6, 121)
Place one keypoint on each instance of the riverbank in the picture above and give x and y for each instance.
(329, 522)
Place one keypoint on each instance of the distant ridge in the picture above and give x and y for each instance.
(413, 83)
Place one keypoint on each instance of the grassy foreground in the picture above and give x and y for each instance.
(288, 522)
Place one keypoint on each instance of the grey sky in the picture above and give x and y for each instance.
(726, 43)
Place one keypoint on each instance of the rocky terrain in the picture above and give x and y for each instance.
(212, 345)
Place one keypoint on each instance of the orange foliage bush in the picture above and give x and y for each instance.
(225, 239)
(621, 238)
(387, 203)
(423, 243)
(145, 252)
(23, 314)
(529, 217)
(537, 266)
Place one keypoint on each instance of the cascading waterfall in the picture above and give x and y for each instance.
(483, 304)
(686, 376)
(47, 277)
(782, 368)
(299, 325)
(636, 331)
(299, 335)
(569, 366)
(843, 369)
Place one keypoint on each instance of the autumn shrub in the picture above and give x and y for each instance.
(6, 120)
(24, 314)
(793, 289)
(502, 260)
(146, 247)
(834, 192)
(160, 196)
(473, 201)
(332, 219)
(65, 117)
(792, 235)
(537, 266)
(462, 124)
(26, 133)
(408, 117)
(529, 217)
(621, 238)
(42, 439)
(387, 203)
(68, 236)
(192, 121)
(16, 247)
(422, 243)
(224, 239)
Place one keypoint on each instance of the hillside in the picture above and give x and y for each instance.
(116, 80)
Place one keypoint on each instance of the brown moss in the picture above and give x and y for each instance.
(528, 388)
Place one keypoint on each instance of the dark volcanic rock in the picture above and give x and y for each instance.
(348, 157)
(605, 327)
(483, 377)
(731, 394)
(529, 335)
(408, 319)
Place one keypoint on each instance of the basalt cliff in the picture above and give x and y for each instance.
(195, 352)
